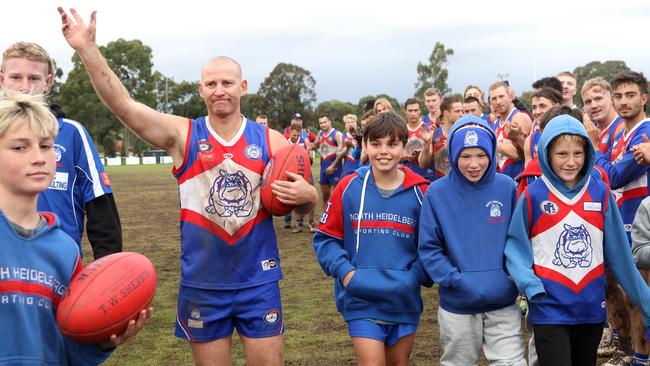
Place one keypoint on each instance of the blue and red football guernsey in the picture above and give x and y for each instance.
(506, 165)
(227, 236)
(608, 133)
(566, 236)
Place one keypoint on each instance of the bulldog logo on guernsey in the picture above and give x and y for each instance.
(471, 139)
(58, 152)
(573, 247)
(230, 195)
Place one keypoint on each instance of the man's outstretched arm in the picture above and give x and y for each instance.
(165, 131)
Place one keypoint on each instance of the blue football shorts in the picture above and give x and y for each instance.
(387, 333)
(204, 315)
(330, 179)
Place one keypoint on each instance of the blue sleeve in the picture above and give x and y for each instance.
(519, 254)
(332, 257)
(624, 171)
(417, 269)
(91, 177)
(432, 246)
(85, 354)
(619, 259)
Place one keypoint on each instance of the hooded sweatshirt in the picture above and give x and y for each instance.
(463, 228)
(34, 275)
(386, 284)
(561, 238)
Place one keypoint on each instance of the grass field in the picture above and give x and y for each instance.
(147, 198)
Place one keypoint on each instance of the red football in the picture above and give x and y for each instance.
(293, 158)
(105, 296)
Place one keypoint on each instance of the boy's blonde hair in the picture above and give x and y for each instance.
(18, 108)
(350, 116)
(567, 137)
(384, 102)
(30, 51)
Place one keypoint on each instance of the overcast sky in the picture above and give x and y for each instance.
(356, 48)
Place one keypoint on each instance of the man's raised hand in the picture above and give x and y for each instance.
(75, 31)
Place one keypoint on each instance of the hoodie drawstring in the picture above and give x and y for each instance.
(363, 198)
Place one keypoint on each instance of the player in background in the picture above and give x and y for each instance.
(432, 100)
(509, 161)
(435, 152)
(329, 143)
(629, 184)
(569, 87)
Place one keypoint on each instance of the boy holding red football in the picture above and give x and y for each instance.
(38, 258)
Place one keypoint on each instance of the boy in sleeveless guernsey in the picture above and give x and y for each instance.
(564, 230)
(229, 257)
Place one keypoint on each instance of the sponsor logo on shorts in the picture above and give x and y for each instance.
(272, 316)
(60, 182)
(269, 264)
(253, 152)
(194, 321)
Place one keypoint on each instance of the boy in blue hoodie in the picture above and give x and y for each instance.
(565, 229)
(463, 227)
(367, 241)
(33, 243)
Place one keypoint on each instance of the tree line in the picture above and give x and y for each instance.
(286, 90)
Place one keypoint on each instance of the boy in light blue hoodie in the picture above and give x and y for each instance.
(463, 227)
(367, 241)
(565, 229)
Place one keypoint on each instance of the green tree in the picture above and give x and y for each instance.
(184, 100)
(132, 62)
(607, 70)
(397, 106)
(434, 73)
(336, 110)
(253, 105)
(287, 90)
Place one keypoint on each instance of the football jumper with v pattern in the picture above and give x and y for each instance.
(567, 241)
(227, 236)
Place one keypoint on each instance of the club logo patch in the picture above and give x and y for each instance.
(471, 139)
(204, 145)
(272, 316)
(549, 207)
(194, 321)
(494, 209)
(58, 152)
(253, 152)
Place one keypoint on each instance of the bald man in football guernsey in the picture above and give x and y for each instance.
(230, 266)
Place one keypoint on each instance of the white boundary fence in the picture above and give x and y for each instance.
(135, 160)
